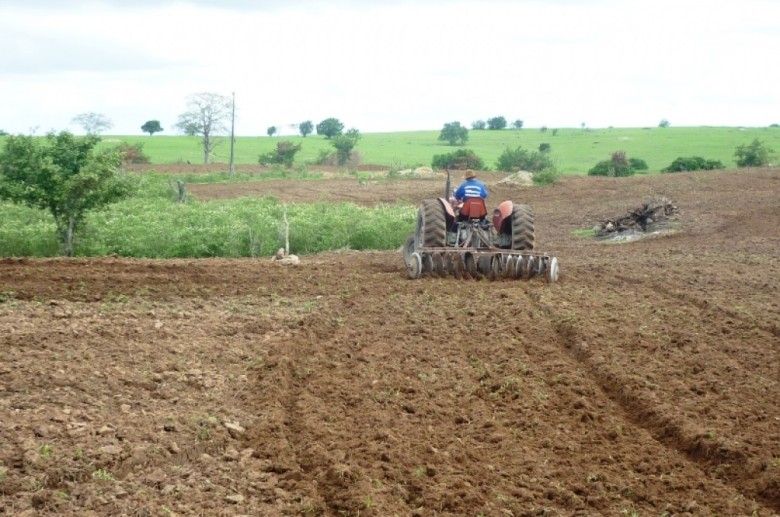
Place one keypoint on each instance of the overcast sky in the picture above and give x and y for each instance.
(391, 65)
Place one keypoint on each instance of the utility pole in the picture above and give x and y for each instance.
(233, 137)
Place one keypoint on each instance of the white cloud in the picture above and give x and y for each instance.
(391, 65)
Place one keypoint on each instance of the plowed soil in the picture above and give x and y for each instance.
(645, 382)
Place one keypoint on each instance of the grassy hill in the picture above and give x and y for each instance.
(574, 150)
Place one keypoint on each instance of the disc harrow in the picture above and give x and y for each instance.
(482, 263)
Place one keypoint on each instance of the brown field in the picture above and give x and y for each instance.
(646, 382)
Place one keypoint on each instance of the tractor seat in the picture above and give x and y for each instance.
(474, 208)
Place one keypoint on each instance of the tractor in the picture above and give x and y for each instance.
(461, 240)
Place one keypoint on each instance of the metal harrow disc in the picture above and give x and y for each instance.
(471, 265)
(552, 270)
(415, 266)
(509, 266)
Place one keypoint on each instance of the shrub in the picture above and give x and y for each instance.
(755, 154)
(479, 124)
(547, 176)
(284, 154)
(520, 159)
(132, 153)
(638, 164)
(617, 166)
(692, 163)
(460, 159)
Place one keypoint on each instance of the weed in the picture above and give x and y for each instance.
(61, 494)
(45, 451)
(420, 472)
(7, 295)
(102, 475)
(592, 478)
(202, 434)
(3, 473)
(78, 453)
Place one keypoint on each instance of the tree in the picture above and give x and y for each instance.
(206, 117)
(151, 127)
(453, 133)
(663, 123)
(63, 174)
(344, 145)
(496, 123)
(461, 159)
(478, 124)
(517, 124)
(271, 131)
(755, 154)
(330, 127)
(284, 154)
(93, 123)
(692, 163)
(305, 128)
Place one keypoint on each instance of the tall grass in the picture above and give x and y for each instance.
(153, 225)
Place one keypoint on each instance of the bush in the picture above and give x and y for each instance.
(460, 159)
(617, 166)
(496, 123)
(479, 124)
(755, 154)
(548, 176)
(284, 154)
(517, 159)
(692, 163)
(638, 164)
(132, 153)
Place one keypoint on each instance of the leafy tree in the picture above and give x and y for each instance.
(453, 133)
(496, 123)
(555, 132)
(517, 124)
(544, 147)
(478, 124)
(617, 165)
(663, 123)
(206, 116)
(543, 129)
(344, 145)
(62, 174)
(271, 131)
(755, 154)
(93, 123)
(306, 128)
(3, 132)
(692, 163)
(520, 159)
(151, 127)
(460, 159)
(284, 154)
(330, 127)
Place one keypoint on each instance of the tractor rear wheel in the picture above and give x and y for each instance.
(431, 225)
(522, 228)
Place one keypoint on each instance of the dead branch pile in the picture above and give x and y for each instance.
(639, 219)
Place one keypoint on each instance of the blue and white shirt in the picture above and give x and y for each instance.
(471, 188)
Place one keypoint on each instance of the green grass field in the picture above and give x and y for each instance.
(574, 150)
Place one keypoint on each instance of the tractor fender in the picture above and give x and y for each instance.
(501, 213)
(451, 211)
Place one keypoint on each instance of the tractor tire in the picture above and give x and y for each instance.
(431, 225)
(522, 228)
